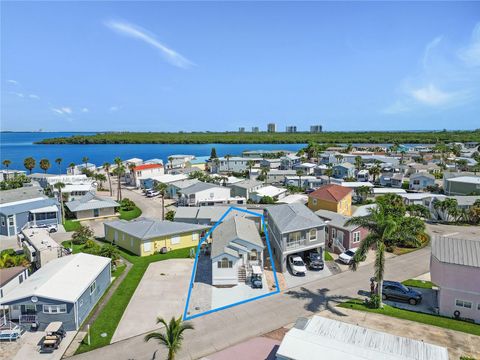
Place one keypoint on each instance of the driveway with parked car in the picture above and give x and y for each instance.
(305, 267)
(410, 298)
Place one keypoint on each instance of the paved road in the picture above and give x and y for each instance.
(231, 326)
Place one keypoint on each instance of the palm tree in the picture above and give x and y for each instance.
(6, 163)
(132, 167)
(329, 171)
(72, 167)
(85, 161)
(264, 173)
(381, 228)
(59, 162)
(227, 157)
(100, 178)
(402, 153)
(358, 162)
(119, 171)
(106, 167)
(339, 158)
(173, 336)
(29, 164)
(45, 165)
(250, 164)
(170, 160)
(374, 171)
(162, 189)
(300, 173)
(59, 186)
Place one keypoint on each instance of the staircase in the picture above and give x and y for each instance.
(338, 244)
(242, 274)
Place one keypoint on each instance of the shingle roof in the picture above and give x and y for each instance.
(230, 230)
(293, 217)
(331, 192)
(91, 201)
(9, 273)
(247, 184)
(422, 174)
(63, 279)
(336, 219)
(146, 228)
(457, 251)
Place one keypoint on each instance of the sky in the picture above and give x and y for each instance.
(218, 66)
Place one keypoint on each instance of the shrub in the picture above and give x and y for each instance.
(373, 302)
(127, 205)
(267, 200)
(170, 215)
(81, 235)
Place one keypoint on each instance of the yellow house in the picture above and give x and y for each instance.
(331, 197)
(144, 236)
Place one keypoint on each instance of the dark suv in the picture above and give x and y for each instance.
(314, 261)
(393, 290)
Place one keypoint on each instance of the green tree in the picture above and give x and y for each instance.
(132, 167)
(71, 167)
(9, 258)
(106, 167)
(170, 215)
(45, 165)
(381, 228)
(363, 192)
(213, 153)
(264, 170)
(59, 186)
(170, 160)
(29, 164)
(81, 235)
(339, 158)
(172, 338)
(300, 173)
(267, 200)
(58, 161)
(162, 189)
(119, 171)
(374, 171)
(227, 157)
(85, 161)
(6, 163)
(250, 164)
(358, 162)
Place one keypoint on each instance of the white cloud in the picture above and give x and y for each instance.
(431, 95)
(17, 94)
(63, 110)
(138, 33)
(114, 108)
(470, 54)
(66, 110)
(13, 82)
(429, 48)
(58, 111)
(33, 96)
(85, 110)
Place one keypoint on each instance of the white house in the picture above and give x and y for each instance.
(144, 171)
(78, 169)
(420, 180)
(201, 194)
(307, 168)
(236, 248)
(276, 193)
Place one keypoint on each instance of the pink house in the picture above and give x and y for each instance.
(340, 237)
(455, 269)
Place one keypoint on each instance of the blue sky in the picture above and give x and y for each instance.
(156, 66)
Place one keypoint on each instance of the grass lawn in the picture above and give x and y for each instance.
(434, 320)
(328, 257)
(131, 214)
(71, 225)
(108, 320)
(418, 283)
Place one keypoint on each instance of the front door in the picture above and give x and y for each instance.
(241, 260)
(96, 212)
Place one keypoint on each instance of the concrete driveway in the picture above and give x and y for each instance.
(161, 292)
(428, 305)
(368, 261)
(311, 275)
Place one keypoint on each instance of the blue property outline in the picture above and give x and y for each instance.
(194, 270)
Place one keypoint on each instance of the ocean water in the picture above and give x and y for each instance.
(16, 146)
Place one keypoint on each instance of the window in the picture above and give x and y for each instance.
(131, 243)
(20, 278)
(175, 240)
(3, 221)
(46, 216)
(224, 264)
(296, 236)
(314, 201)
(356, 237)
(195, 237)
(253, 255)
(55, 309)
(463, 303)
(313, 234)
(334, 233)
(93, 287)
(11, 221)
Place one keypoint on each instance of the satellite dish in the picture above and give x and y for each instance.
(34, 299)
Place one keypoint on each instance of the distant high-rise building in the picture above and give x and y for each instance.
(291, 129)
(316, 128)
(255, 129)
(242, 129)
(272, 127)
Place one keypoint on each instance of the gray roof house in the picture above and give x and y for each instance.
(66, 289)
(420, 180)
(92, 206)
(176, 187)
(236, 248)
(343, 170)
(203, 193)
(461, 185)
(209, 215)
(26, 206)
(245, 187)
(293, 229)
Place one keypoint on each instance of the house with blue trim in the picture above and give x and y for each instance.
(26, 205)
(65, 289)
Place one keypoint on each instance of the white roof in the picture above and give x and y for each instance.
(294, 198)
(377, 191)
(52, 208)
(270, 191)
(355, 184)
(417, 196)
(309, 165)
(166, 178)
(63, 279)
(76, 187)
(323, 338)
(466, 179)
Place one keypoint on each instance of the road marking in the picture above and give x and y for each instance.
(451, 234)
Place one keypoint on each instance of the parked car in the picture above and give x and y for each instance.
(347, 256)
(397, 291)
(315, 261)
(153, 193)
(256, 281)
(146, 190)
(297, 266)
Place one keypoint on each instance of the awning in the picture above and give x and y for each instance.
(256, 270)
(51, 208)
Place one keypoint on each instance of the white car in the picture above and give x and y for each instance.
(347, 256)
(297, 265)
(153, 193)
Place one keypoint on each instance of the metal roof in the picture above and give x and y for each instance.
(200, 186)
(23, 193)
(28, 205)
(321, 338)
(235, 228)
(146, 228)
(457, 251)
(91, 201)
(293, 217)
(335, 219)
(247, 184)
(63, 279)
